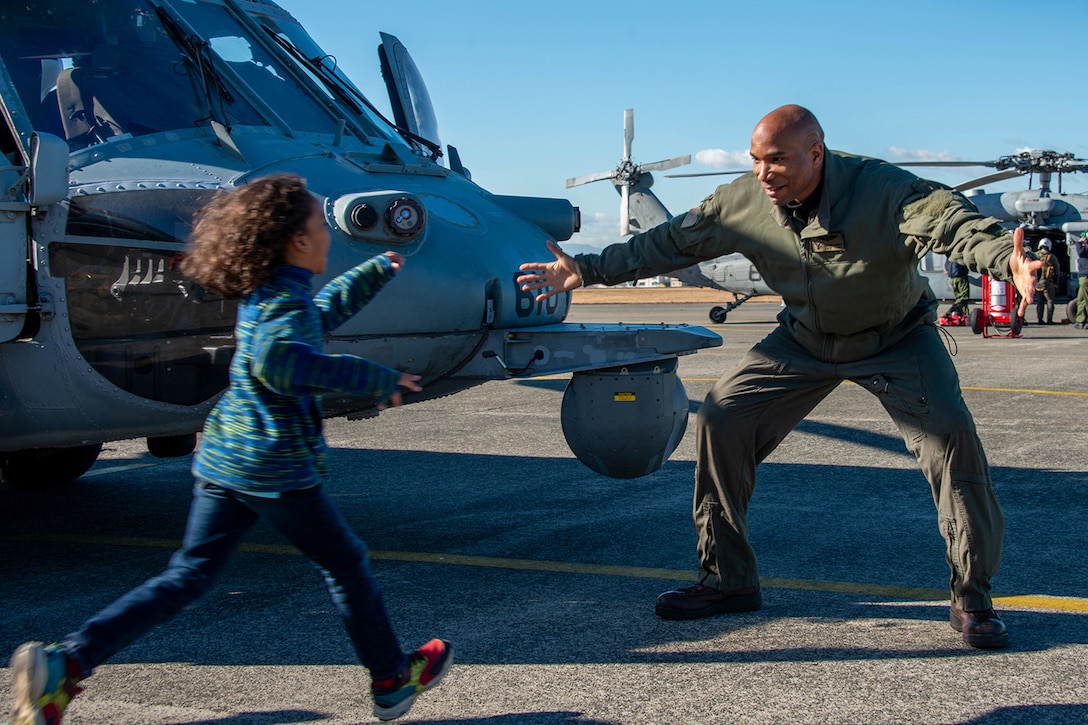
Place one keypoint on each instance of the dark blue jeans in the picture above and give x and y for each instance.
(218, 518)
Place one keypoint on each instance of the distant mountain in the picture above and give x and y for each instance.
(573, 249)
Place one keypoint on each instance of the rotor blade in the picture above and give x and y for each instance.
(945, 163)
(625, 210)
(628, 132)
(989, 178)
(706, 173)
(667, 163)
(579, 180)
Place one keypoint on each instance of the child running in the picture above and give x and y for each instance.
(262, 453)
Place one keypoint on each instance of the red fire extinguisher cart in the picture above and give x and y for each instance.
(998, 310)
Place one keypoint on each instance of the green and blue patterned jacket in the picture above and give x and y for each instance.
(264, 435)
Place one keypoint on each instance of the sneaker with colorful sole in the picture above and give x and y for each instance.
(43, 682)
(426, 667)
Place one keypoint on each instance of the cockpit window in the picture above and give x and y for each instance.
(91, 71)
(95, 71)
(262, 74)
(324, 70)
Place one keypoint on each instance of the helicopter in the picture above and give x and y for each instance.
(121, 118)
(1043, 212)
(640, 209)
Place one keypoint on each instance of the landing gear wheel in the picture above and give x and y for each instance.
(717, 314)
(974, 319)
(1071, 310)
(48, 466)
(172, 446)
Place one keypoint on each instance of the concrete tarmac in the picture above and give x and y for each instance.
(485, 530)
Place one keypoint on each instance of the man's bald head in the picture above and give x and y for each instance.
(792, 121)
(788, 154)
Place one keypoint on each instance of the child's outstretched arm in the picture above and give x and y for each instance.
(407, 381)
(290, 367)
(344, 296)
(286, 365)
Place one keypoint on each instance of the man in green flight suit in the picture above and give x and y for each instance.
(839, 238)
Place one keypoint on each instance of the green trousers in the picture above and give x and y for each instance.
(751, 410)
(961, 288)
(1044, 302)
(1081, 309)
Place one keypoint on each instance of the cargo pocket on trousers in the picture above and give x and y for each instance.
(909, 409)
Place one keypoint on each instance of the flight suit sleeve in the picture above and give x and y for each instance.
(681, 242)
(939, 219)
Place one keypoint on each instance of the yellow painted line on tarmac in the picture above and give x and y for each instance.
(873, 590)
(1043, 601)
(962, 387)
(1025, 601)
(1025, 390)
(1070, 393)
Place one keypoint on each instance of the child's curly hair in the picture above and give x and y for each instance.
(240, 237)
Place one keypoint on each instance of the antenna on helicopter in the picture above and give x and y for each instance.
(628, 173)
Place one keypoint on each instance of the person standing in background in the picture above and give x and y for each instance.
(961, 288)
(1047, 283)
(1080, 304)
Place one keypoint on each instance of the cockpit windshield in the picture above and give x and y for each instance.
(94, 71)
(322, 68)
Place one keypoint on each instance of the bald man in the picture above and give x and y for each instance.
(839, 238)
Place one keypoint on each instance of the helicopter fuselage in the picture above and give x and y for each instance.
(123, 117)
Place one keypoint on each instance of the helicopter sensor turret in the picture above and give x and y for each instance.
(381, 217)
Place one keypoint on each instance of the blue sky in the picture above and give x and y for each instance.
(533, 93)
